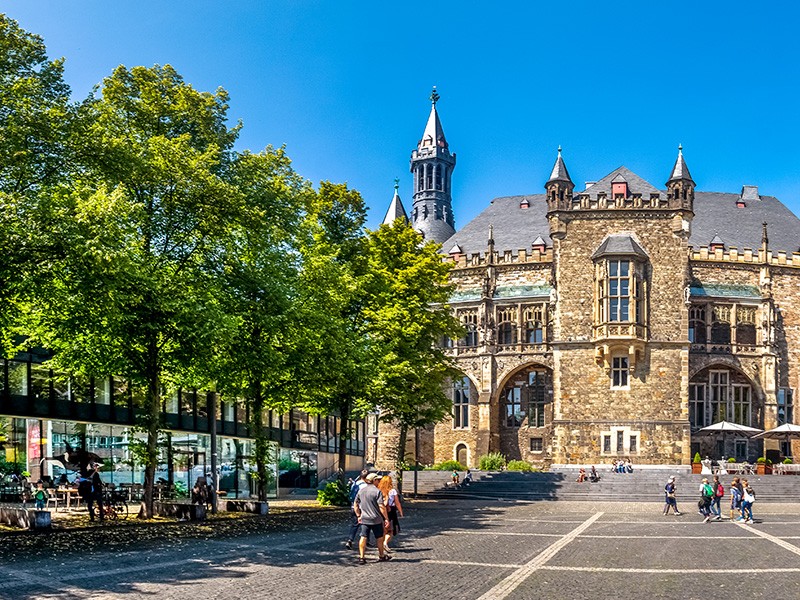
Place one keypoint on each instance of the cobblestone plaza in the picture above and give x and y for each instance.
(448, 549)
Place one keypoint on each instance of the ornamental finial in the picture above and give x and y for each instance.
(396, 183)
(434, 96)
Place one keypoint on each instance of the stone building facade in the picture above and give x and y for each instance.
(618, 321)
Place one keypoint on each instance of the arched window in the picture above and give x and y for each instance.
(534, 330)
(527, 394)
(461, 393)
(507, 326)
(697, 324)
(720, 394)
(746, 325)
(721, 325)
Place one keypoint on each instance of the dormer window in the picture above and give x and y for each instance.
(524, 204)
(716, 244)
(619, 188)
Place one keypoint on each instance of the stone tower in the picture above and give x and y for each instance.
(432, 165)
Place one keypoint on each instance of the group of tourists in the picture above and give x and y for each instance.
(742, 497)
(375, 509)
(592, 476)
(622, 466)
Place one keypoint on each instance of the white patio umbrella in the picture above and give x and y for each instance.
(783, 432)
(728, 427)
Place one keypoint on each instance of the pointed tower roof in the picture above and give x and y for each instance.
(680, 170)
(396, 210)
(434, 134)
(559, 172)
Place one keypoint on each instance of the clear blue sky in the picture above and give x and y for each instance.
(345, 85)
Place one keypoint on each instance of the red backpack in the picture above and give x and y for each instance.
(720, 491)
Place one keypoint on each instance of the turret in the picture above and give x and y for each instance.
(680, 186)
(432, 165)
(396, 209)
(559, 187)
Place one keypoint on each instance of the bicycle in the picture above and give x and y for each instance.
(114, 506)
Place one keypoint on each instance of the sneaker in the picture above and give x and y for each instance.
(362, 561)
(349, 544)
(706, 520)
(384, 558)
(718, 518)
(678, 514)
(749, 521)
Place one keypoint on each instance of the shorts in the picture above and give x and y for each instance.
(375, 528)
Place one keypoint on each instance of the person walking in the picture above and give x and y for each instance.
(736, 498)
(719, 494)
(670, 499)
(748, 499)
(706, 496)
(355, 486)
(373, 517)
(394, 508)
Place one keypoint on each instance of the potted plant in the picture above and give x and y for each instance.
(731, 460)
(697, 466)
(763, 466)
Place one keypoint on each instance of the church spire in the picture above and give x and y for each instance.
(432, 164)
(396, 209)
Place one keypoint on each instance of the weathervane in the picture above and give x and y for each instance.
(434, 96)
(396, 183)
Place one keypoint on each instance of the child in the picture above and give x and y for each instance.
(40, 496)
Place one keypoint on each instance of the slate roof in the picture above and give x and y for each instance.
(514, 227)
(716, 213)
(559, 172)
(680, 170)
(619, 244)
(395, 211)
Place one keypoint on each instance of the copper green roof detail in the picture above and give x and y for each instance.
(523, 291)
(725, 290)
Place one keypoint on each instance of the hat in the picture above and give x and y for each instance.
(370, 478)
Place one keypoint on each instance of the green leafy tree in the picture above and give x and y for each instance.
(133, 295)
(408, 316)
(35, 124)
(336, 364)
(259, 267)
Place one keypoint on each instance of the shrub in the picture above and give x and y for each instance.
(494, 461)
(449, 465)
(761, 460)
(787, 461)
(696, 457)
(519, 465)
(334, 494)
(731, 460)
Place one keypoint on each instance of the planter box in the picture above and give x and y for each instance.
(249, 506)
(697, 468)
(763, 469)
(24, 518)
(181, 510)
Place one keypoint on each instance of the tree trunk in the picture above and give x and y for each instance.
(152, 417)
(259, 436)
(401, 457)
(343, 437)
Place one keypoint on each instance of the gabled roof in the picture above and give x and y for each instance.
(715, 213)
(619, 244)
(636, 185)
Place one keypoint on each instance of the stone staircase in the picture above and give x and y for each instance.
(645, 484)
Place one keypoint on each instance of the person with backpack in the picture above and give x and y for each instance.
(355, 526)
(719, 494)
(748, 499)
(706, 496)
(40, 496)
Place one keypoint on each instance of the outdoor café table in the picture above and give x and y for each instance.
(68, 492)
